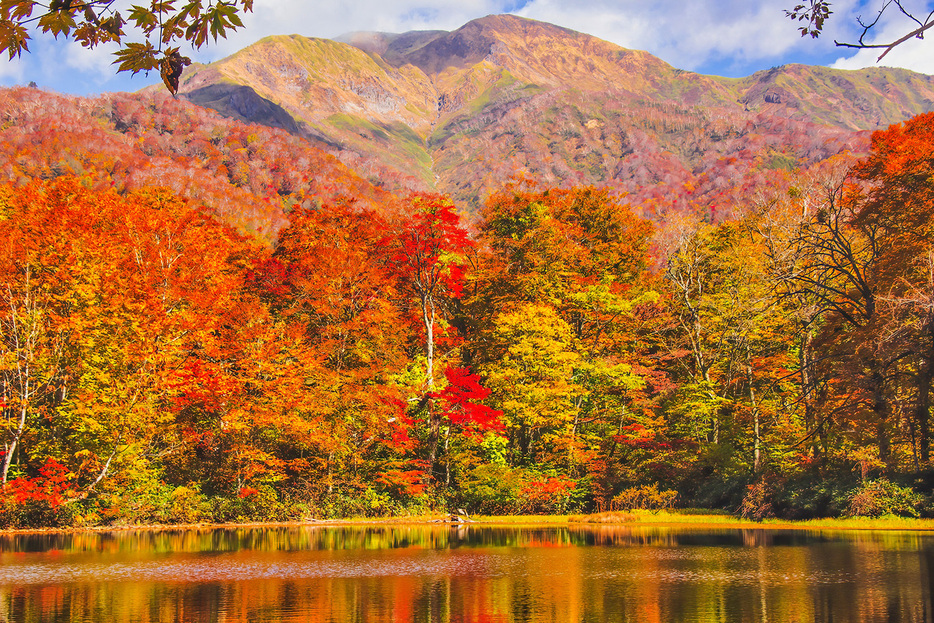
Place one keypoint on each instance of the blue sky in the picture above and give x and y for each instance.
(722, 37)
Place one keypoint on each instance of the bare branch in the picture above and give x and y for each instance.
(817, 12)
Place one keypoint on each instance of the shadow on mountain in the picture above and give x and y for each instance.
(245, 104)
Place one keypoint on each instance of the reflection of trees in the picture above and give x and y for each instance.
(484, 573)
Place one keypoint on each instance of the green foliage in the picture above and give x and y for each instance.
(148, 500)
(498, 489)
(250, 504)
(879, 497)
(810, 496)
(492, 489)
(370, 502)
(716, 491)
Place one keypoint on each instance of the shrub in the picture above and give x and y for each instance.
(187, 505)
(879, 497)
(551, 495)
(250, 504)
(810, 496)
(40, 502)
(757, 503)
(726, 493)
(491, 489)
(646, 497)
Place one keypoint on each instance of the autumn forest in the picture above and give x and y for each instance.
(235, 326)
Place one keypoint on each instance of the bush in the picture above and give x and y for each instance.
(491, 489)
(757, 503)
(726, 493)
(646, 497)
(250, 505)
(879, 497)
(551, 495)
(811, 496)
(40, 502)
(187, 505)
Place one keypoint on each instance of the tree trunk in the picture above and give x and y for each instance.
(10, 447)
(805, 363)
(880, 411)
(757, 442)
(428, 315)
(923, 400)
(923, 410)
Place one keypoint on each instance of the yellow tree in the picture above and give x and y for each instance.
(565, 268)
(533, 380)
(734, 334)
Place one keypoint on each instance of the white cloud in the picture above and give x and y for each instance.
(12, 71)
(271, 17)
(688, 35)
(914, 54)
(96, 64)
(733, 37)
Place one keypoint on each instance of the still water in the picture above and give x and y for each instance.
(468, 574)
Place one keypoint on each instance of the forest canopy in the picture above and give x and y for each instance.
(279, 339)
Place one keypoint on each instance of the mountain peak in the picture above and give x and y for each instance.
(494, 38)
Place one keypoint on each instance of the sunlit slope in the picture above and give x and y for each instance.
(462, 111)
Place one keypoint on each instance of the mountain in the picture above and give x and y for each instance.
(461, 112)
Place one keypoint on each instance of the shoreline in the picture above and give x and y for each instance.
(591, 522)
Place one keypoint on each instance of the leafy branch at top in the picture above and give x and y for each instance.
(160, 24)
(815, 13)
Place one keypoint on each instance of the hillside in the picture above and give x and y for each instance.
(247, 175)
(462, 111)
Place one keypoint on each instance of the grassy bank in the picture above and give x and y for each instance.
(701, 518)
(692, 518)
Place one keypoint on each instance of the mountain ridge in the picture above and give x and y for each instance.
(430, 109)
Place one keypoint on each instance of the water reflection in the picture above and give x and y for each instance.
(481, 573)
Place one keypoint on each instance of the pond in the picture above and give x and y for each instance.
(470, 574)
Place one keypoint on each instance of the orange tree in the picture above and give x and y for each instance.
(106, 297)
(426, 251)
(329, 283)
(899, 206)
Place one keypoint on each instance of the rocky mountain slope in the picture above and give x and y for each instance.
(461, 112)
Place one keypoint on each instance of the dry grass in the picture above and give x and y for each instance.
(611, 517)
(720, 520)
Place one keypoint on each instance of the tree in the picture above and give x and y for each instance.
(815, 13)
(533, 379)
(560, 282)
(329, 281)
(427, 251)
(900, 205)
(30, 354)
(95, 22)
(733, 334)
